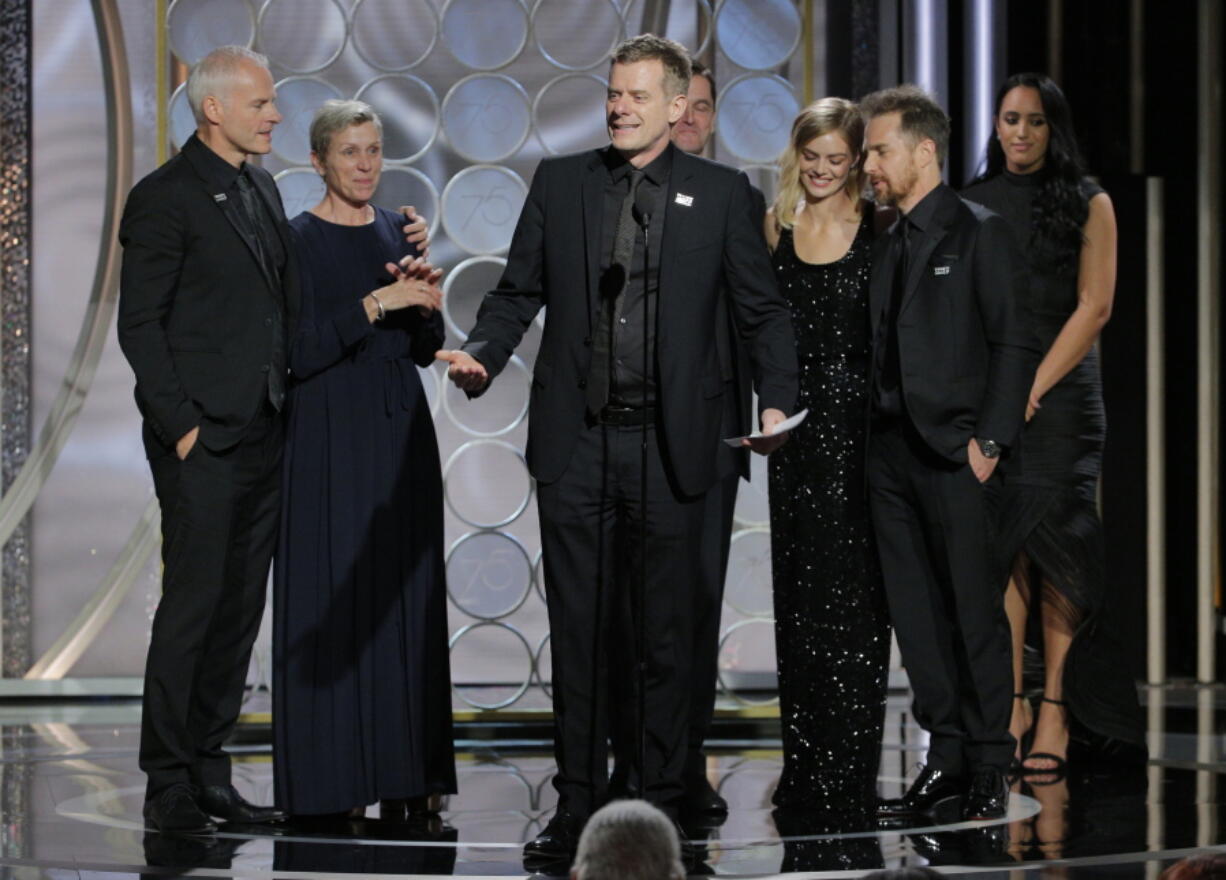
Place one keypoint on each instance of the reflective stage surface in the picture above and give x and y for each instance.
(72, 796)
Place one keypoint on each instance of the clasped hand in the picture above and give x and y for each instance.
(415, 284)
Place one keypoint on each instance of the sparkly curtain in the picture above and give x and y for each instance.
(15, 41)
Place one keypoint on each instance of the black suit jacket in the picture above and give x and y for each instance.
(738, 407)
(197, 313)
(712, 247)
(967, 354)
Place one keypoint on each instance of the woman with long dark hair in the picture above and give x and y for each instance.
(1050, 529)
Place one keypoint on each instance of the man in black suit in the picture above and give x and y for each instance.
(952, 367)
(207, 293)
(596, 415)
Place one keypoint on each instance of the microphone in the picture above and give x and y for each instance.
(642, 207)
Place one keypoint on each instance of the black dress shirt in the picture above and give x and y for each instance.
(628, 385)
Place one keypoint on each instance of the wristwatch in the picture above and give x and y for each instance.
(989, 448)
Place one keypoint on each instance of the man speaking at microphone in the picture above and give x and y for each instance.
(630, 249)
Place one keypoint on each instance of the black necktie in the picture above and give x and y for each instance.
(623, 252)
(901, 246)
(259, 228)
(264, 251)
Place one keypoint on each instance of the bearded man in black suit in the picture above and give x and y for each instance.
(633, 249)
(953, 361)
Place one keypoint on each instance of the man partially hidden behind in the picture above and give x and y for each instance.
(951, 371)
(207, 293)
(693, 133)
(579, 251)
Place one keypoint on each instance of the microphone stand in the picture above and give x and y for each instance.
(641, 591)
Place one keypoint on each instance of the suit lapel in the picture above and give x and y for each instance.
(941, 219)
(593, 211)
(679, 181)
(227, 203)
(230, 208)
(267, 189)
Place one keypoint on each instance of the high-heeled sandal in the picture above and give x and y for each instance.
(1058, 772)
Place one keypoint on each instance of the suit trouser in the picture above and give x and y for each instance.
(717, 521)
(590, 519)
(935, 525)
(219, 524)
(708, 607)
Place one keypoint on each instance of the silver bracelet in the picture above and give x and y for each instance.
(382, 313)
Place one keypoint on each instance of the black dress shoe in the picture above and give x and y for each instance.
(174, 810)
(988, 795)
(559, 840)
(224, 802)
(930, 788)
(693, 848)
(185, 852)
(702, 801)
(407, 809)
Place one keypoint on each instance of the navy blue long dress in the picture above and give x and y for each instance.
(361, 688)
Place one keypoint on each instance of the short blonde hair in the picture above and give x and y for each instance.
(819, 118)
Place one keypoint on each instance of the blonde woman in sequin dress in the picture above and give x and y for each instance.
(831, 630)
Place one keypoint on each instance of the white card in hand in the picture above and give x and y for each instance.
(786, 425)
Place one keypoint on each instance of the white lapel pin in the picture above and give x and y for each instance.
(940, 270)
(219, 198)
(684, 200)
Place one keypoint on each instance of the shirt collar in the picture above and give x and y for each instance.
(219, 173)
(656, 170)
(921, 215)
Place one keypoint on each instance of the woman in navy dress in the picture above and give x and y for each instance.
(362, 704)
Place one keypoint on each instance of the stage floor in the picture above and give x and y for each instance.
(72, 795)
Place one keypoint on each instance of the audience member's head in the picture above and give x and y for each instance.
(692, 132)
(628, 840)
(906, 141)
(1202, 866)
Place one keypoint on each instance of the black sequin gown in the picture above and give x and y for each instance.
(1049, 510)
(831, 624)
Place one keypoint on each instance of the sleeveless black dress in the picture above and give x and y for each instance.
(1049, 509)
(831, 624)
